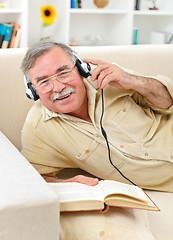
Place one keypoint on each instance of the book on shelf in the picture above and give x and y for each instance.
(9, 35)
(137, 4)
(17, 41)
(76, 4)
(15, 36)
(1, 39)
(8, 28)
(75, 196)
(1, 33)
(135, 36)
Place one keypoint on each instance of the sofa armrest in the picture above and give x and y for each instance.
(29, 209)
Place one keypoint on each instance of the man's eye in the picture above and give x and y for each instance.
(44, 83)
(64, 74)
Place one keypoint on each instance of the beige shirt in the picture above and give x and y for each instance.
(140, 138)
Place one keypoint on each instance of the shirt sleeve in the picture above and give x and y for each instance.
(40, 153)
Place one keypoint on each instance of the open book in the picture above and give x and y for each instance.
(80, 197)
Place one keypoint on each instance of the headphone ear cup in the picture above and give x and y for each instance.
(30, 90)
(85, 72)
(83, 67)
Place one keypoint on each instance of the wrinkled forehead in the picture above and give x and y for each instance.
(55, 56)
(58, 52)
(50, 63)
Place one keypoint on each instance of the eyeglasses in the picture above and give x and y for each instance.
(47, 84)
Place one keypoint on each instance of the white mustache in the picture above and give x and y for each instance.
(63, 93)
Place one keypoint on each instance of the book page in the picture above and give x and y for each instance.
(73, 191)
(108, 187)
(75, 196)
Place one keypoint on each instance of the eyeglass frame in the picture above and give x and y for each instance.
(58, 77)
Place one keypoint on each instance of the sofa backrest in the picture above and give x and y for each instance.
(146, 59)
(14, 105)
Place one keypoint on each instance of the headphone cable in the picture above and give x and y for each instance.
(107, 143)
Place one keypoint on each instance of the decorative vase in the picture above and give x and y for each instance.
(101, 3)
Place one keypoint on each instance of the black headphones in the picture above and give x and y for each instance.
(83, 68)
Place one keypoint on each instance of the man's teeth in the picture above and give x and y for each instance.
(64, 96)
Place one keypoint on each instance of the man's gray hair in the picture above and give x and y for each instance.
(39, 49)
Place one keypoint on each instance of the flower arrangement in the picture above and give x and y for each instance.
(48, 16)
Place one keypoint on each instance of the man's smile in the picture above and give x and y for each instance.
(66, 92)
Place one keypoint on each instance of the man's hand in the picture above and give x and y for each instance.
(108, 73)
(78, 178)
(150, 88)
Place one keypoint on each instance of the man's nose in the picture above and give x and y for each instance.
(57, 85)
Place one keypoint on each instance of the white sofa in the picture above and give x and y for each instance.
(41, 204)
(28, 208)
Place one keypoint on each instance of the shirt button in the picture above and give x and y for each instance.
(146, 154)
(124, 109)
(171, 157)
(87, 151)
(121, 146)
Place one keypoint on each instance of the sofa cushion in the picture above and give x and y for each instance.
(14, 103)
(161, 222)
(117, 223)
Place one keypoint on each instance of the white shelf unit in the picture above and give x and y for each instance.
(17, 11)
(114, 24)
(157, 22)
(89, 25)
(101, 26)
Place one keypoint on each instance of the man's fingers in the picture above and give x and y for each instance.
(85, 180)
(94, 61)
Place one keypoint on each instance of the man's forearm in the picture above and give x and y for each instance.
(107, 73)
(154, 91)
